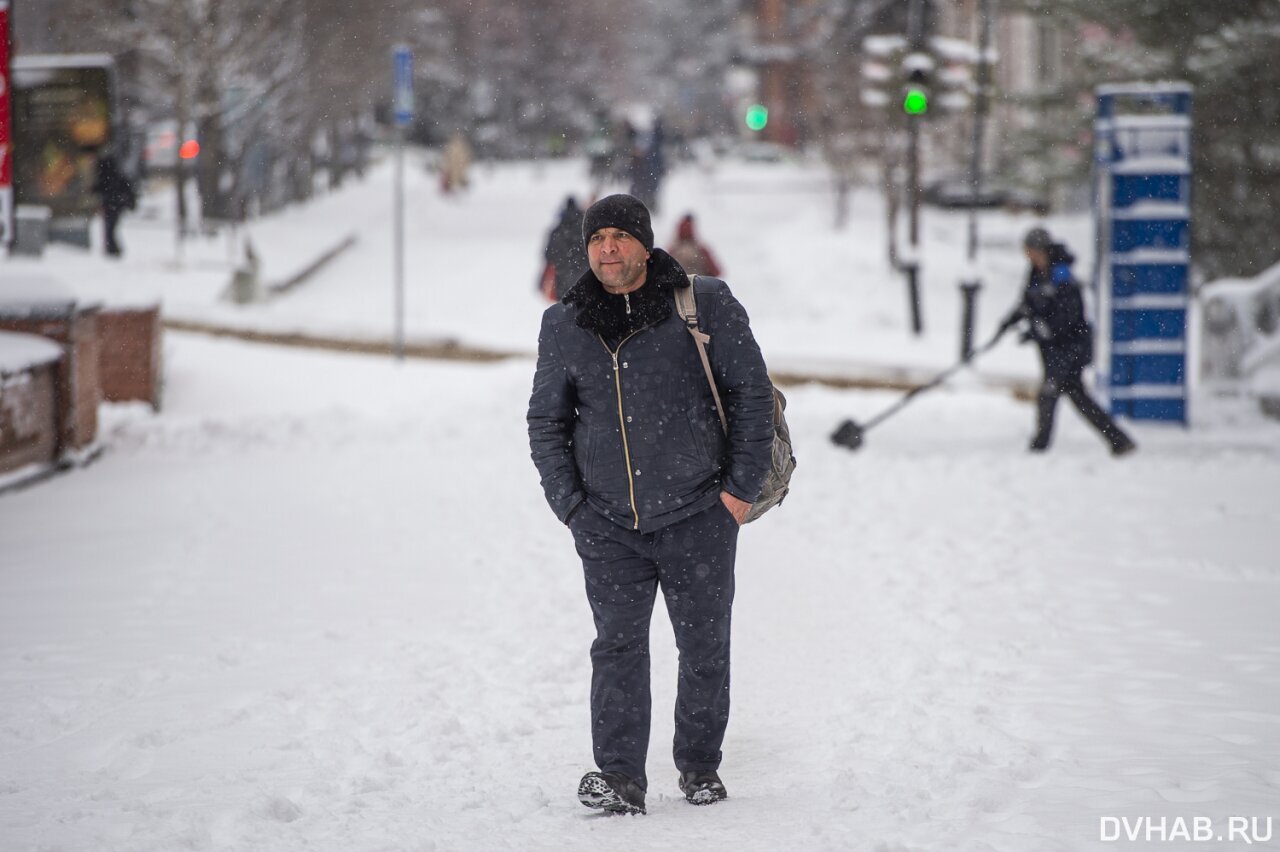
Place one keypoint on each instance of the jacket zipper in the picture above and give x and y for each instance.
(622, 424)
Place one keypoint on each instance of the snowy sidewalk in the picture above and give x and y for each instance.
(319, 603)
(823, 302)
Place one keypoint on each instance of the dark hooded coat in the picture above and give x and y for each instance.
(565, 251)
(116, 190)
(1054, 306)
(621, 415)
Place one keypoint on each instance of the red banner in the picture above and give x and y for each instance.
(6, 137)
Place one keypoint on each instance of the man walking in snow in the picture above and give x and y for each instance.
(1054, 310)
(624, 432)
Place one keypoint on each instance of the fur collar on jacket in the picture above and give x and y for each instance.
(651, 304)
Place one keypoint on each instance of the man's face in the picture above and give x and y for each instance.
(1039, 257)
(618, 259)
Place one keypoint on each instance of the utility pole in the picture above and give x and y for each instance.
(915, 103)
(402, 103)
(980, 104)
(970, 287)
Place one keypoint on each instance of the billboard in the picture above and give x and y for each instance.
(62, 117)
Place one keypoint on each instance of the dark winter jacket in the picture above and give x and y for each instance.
(565, 251)
(630, 425)
(1054, 307)
(110, 183)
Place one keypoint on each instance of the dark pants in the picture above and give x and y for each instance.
(110, 217)
(692, 561)
(1073, 387)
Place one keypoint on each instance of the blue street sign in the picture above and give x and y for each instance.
(1142, 198)
(402, 88)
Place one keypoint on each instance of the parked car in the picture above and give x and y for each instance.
(956, 193)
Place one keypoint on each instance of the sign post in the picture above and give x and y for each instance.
(6, 135)
(1142, 197)
(402, 106)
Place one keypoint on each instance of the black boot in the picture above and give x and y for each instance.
(1122, 445)
(702, 787)
(612, 792)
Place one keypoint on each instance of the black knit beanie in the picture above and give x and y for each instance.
(624, 212)
(1037, 238)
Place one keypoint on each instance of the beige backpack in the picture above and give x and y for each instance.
(778, 482)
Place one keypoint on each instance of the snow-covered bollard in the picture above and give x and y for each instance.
(246, 283)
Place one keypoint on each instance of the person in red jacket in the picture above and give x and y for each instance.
(695, 257)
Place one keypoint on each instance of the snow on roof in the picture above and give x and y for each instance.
(20, 351)
(33, 292)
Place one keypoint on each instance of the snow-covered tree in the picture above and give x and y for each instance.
(1227, 51)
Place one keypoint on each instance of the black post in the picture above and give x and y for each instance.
(913, 183)
(969, 293)
(916, 41)
(912, 269)
(969, 289)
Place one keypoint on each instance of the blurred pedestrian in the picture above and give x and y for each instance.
(624, 146)
(455, 163)
(1053, 309)
(625, 433)
(600, 152)
(118, 195)
(565, 257)
(648, 165)
(691, 253)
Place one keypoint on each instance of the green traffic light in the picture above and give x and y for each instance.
(915, 103)
(757, 117)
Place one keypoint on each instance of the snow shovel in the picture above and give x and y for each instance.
(849, 433)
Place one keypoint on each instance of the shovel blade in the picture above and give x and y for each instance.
(848, 434)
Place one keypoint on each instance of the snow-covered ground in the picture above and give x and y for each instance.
(318, 601)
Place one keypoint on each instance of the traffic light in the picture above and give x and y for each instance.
(757, 117)
(938, 78)
(916, 101)
(919, 68)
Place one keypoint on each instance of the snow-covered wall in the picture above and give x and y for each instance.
(28, 401)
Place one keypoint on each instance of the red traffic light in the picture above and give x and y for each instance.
(189, 150)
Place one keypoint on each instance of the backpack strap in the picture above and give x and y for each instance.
(687, 307)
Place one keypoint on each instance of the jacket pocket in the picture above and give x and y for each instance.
(708, 438)
(584, 453)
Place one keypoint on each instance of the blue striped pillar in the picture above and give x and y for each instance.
(1143, 204)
